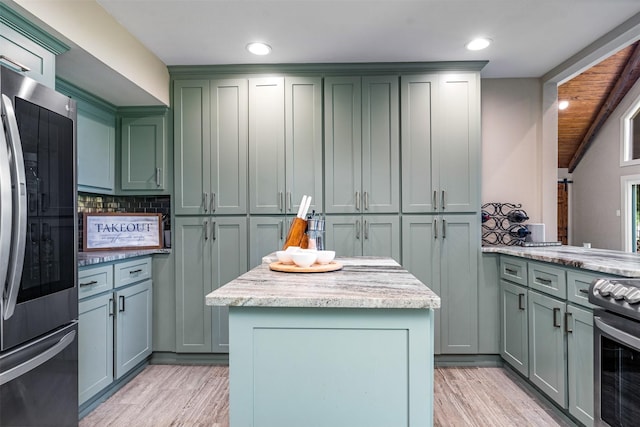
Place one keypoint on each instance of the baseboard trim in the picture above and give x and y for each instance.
(170, 358)
(464, 360)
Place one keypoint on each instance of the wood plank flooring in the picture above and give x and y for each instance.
(198, 396)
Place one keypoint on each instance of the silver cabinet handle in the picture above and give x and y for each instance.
(366, 229)
(556, 311)
(289, 201)
(93, 282)
(366, 200)
(206, 230)
(213, 231)
(357, 229)
(510, 271)
(584, 291)
(357, 200)
(444, 228)
(521, 302)
(435, 228)
(213, 202)
(135, 271)
(111, 307)
(38, 360)
(435, 200)
(280, 200)
(567, 328)
(157, 177)
(205, 197)
(444, 200)
(281, 227)
(14, 62)
(543, 280)
(121, 303)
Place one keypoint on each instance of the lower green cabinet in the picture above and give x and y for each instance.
(210, 251)
(95, 344)
(368, 235)
(580, 363)
(514, 332)
(267, 235)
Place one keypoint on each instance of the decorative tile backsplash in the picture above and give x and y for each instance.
(88, 202)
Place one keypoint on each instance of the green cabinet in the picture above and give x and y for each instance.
(95, 346)
(440, 142)
(285, 143)
(580, 363)
(210, 146)
(514, 330)
(368, 235)
(267, 235)
(143, 152)
(362, 145)
(489, 305)
(210, 251)
(443, 252)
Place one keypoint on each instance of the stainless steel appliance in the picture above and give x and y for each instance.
(38, 251)
(616, 351)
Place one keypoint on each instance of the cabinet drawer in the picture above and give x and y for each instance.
(132, 271)
(548, 279)
(94, 280)
(513, 270)
(578, 285)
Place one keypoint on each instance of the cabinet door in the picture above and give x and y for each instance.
(229, 241)
(580, 363)
(547, 347)
(418, 93)
(96, 149)
(133, 326)
(380, 145)
(514, 332)
(303, 119)
(194, 280)
(95, 345)
(267, 235)
(16, 46)
(343, 233)
(457, 129)
(192, 146)
(381, 236)
(266, 145)
(229, 145)
(421, 257)
(143, 148)
(343, 144)
(459, 238)
(488, 305)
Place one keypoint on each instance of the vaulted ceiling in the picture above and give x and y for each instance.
(592, 96)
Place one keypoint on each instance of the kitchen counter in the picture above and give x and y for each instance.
(99, 257)
(600, 260)
(351, 347)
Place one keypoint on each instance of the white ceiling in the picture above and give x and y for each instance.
(531, 37)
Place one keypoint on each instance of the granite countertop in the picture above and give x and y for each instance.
(601, 260)
(99, 257)
(364, 282)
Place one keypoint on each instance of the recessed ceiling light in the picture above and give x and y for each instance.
(478, 44)
(562, 105)
(258, 48)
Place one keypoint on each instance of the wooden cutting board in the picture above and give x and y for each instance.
(315, 268)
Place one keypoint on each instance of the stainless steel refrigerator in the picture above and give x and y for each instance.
(38, 252)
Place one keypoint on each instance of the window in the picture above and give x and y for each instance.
(631, 213)
(631, 136)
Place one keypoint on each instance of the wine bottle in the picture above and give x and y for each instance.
(517, 216)
(520, 231)
(485, 216)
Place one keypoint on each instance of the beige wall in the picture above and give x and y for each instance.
(512, 156)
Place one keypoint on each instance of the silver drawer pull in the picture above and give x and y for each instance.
(135, 271)
(93, 282)
(510, 271)
(584, 291)
(543, 281)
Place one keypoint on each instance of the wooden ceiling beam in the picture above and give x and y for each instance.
(627, 79)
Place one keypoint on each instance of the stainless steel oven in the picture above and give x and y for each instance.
(616, 352)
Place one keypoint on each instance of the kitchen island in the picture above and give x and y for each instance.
(351, 348)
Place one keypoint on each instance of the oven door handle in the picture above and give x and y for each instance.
(619, 335)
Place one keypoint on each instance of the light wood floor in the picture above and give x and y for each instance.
(198, 396)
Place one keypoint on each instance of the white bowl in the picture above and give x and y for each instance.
(291, 249)
(304, 259)
(325, 257)
(284, 257)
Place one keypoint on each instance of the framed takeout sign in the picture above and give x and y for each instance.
(110, 231)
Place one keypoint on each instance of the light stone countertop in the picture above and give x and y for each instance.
(364, 282)
(600, 260)
(99, 257)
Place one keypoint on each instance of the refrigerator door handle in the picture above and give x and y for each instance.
(38, 360)
(19, 208)
(5, 211)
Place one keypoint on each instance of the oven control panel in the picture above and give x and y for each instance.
(618, 295)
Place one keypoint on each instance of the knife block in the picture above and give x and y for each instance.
(296, 236)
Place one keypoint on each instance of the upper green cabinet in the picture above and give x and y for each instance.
(27, 49)
(210, 146)
(143, 155)
(440, 142)
(362, 149)
(285, 143)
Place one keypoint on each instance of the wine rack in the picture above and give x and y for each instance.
(502, 224)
